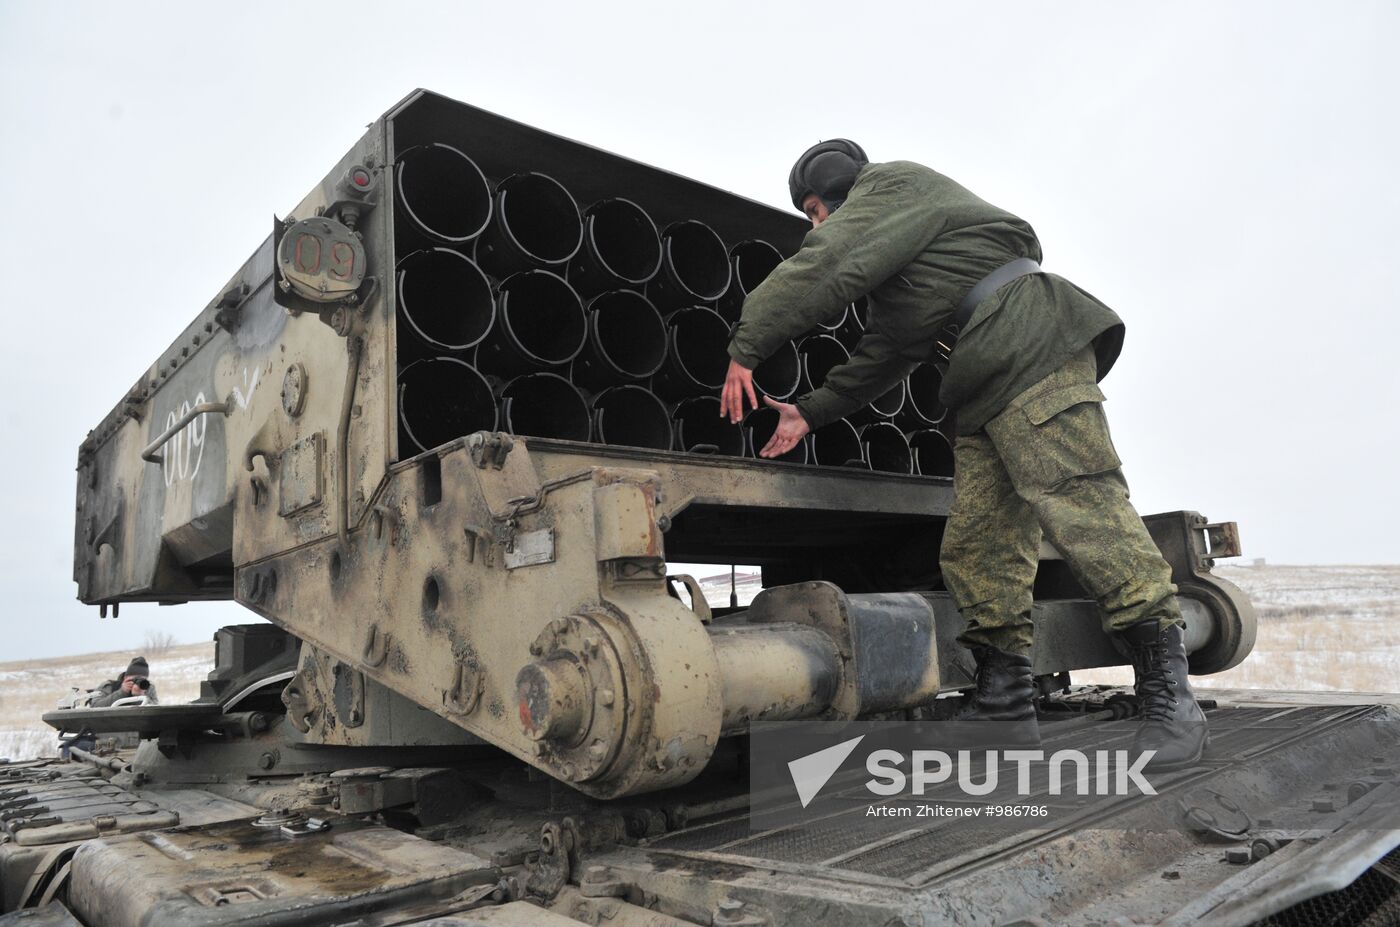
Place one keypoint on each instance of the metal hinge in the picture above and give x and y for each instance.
(1222, 539)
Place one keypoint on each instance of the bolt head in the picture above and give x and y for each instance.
(606, 696)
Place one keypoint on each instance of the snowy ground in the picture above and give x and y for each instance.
(1327, 628)
(1320, 628)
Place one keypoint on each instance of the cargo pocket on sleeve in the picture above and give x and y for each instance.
(1050, 404)
(1054, 437)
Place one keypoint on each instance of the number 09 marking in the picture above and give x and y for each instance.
(342, 261)
(306, 256)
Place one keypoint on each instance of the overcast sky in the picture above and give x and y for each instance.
(1223, 174)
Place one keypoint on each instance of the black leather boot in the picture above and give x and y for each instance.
(1172, 724)
(1005, 696)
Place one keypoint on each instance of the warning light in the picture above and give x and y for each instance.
(358, 182)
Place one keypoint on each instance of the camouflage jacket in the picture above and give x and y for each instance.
(916, 242)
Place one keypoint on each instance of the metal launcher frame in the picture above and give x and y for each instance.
(516, 586)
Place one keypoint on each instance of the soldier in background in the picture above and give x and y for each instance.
(134, 680)
(1032, 452)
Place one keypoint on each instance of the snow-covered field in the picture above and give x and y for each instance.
(1331, 628)
(1327, 628)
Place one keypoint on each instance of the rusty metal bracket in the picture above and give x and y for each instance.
(1191, 543)
(1222, 540)
(557, 858)
(489, 449)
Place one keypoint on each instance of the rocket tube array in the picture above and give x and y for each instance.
(445, 300)
(441, 197)
(752, 261)
(780, 374)
(518, 310)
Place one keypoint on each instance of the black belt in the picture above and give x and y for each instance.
(990, 284)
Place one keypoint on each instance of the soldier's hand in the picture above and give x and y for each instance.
(738, 383)
(792, 427)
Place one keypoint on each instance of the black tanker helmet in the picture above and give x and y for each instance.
(827, 169)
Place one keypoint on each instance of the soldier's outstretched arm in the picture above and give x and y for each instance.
(875, 366)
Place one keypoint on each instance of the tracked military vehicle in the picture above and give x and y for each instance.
(444, 429)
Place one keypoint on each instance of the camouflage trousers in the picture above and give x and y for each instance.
(1046, 465)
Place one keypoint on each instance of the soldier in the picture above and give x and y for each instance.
(133, 681)
(1032, 452)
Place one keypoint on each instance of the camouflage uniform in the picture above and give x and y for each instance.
(1033, 451)
(1046, 464)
